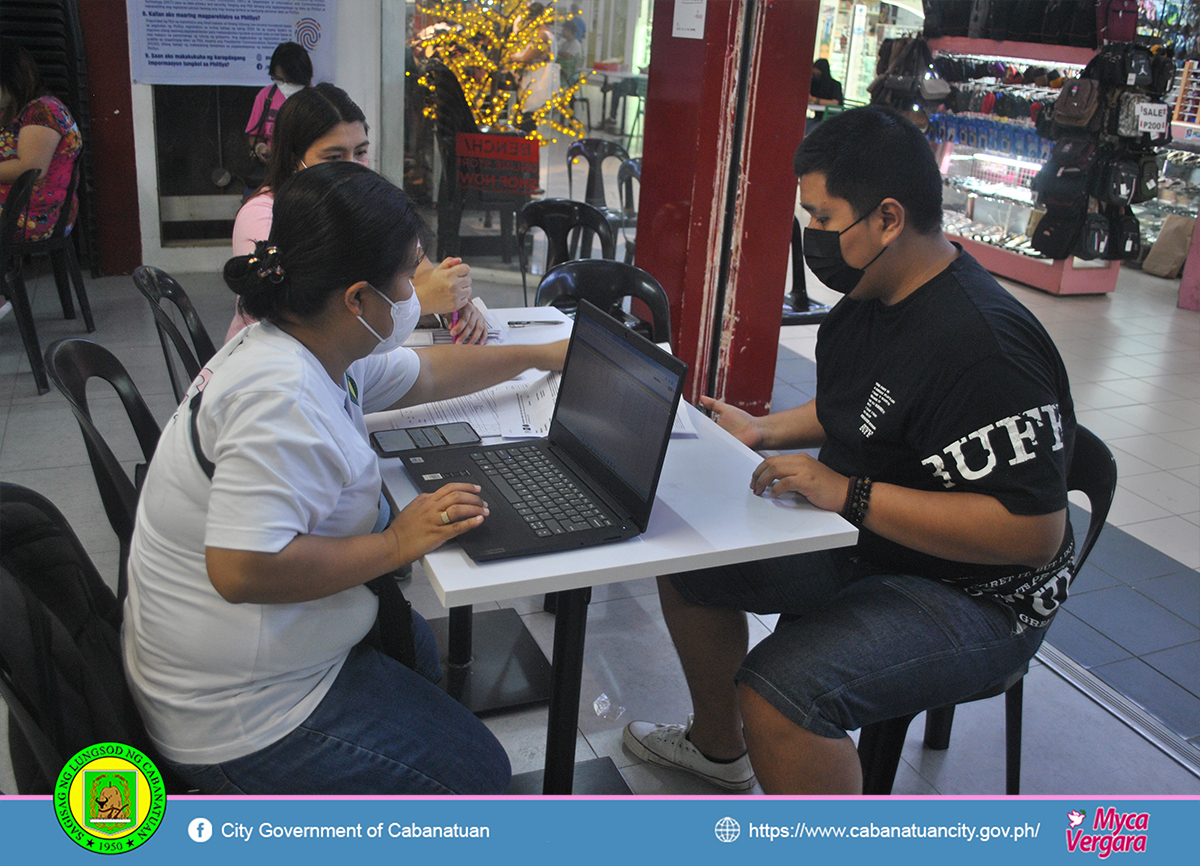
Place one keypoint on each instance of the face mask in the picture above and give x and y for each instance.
(287, 88)
(823, 255)
(404, 319)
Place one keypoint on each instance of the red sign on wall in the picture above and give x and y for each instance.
(497, 163)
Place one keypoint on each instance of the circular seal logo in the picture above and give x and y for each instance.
(109, 798)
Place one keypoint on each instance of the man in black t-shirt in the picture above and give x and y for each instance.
(945, 426)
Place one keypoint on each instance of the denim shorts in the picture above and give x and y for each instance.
(866, 645)
(382, 728)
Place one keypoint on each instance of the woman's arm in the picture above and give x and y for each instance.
(451, 371)
(316, 566)
(35, 149)
(442, 289)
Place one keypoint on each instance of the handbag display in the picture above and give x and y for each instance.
(1094, 237)
(1147, 182)
(1056, 233)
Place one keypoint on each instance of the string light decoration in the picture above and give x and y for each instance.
(479, 42)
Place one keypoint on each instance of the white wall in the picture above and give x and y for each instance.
(359, 71)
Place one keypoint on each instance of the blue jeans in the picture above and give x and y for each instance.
(866, 645)
(381, 729)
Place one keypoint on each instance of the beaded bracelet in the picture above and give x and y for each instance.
(858, 498)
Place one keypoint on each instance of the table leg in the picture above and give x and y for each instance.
(570, 628)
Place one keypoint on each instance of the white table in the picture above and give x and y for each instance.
(705, 515)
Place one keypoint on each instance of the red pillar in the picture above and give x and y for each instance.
(118, 227)
(718, 194)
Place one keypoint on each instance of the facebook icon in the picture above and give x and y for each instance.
(200, 829)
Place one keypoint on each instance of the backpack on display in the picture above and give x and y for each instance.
(1056, 233)
(1116, 20)
(1094, 236)
(1163, 73)
(1117, 179)
(1147, 182)
(1125, 242)
(1078, 105)
(1139, 66)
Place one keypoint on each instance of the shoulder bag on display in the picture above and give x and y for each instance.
(1057, 232)
(1078, 105)
(1093, 237)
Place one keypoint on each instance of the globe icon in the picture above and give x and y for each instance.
(728, 829)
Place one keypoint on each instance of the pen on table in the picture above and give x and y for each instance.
(522, 324)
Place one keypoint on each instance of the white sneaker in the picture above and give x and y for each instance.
(668, 746)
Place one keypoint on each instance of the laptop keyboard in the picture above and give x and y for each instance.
(546, 499)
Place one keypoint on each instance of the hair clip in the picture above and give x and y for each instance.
(270, 268)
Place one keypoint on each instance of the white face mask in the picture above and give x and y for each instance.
(404, 319)
(288, 89)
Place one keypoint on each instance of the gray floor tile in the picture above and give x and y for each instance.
(523, 735)
(1064, 734)
(1178, 708)
(73, 491)
(1091, 578)
(1178, 593)
(785, 397)
(1081, 642)
(1181, 664)
(1132, 620)
(1127, 559)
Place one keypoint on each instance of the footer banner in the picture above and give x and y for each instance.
(113, 813)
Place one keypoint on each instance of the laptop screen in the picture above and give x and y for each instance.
(617, 400)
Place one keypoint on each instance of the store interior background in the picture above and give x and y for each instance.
(1113, 705)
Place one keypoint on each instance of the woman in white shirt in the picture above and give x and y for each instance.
(247, 609)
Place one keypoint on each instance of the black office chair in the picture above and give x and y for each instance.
(630, 170)
(1094, 472)
(71, 363)
(558, 218)
(61, 671)
(60, 247)
(594, 151)
(12, 281)
(157, 285)
(605, 284)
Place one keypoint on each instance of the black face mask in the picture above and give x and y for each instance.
(823, 255)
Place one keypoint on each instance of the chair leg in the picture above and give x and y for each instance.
(937, 727)
(85, 308)
(879, 748)
(62, 282)
(1014, 702)
(14, 289)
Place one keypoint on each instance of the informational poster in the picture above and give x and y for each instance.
(497, 163)
(688, 22)
(226, 41)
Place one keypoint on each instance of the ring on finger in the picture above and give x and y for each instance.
(445, 517)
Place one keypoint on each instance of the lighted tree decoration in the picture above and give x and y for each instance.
(480, 43)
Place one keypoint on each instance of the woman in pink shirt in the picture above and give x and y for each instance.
(291, 71)
(323, 124)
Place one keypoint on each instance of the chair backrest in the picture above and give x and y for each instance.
(605, 283)
(558, 217)
(157, 285)
(595, 151)
(70, 364)
(15, 205)
(630, 170)
(63, 223)
(60, 647)
(1093, 472)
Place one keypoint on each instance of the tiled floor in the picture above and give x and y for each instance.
(1134, 620)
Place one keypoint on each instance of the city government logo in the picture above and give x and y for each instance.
(109, 798)
(728, 829)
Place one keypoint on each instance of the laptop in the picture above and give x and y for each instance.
(593, 479)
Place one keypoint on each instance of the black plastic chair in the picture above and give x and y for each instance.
(71, 363)
(558, 218)
(60, 248)
(1094, 472)
(158, 286)
(13, 282)
(605, 284)
(61, 671)
(595, 151)
(630, 170)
